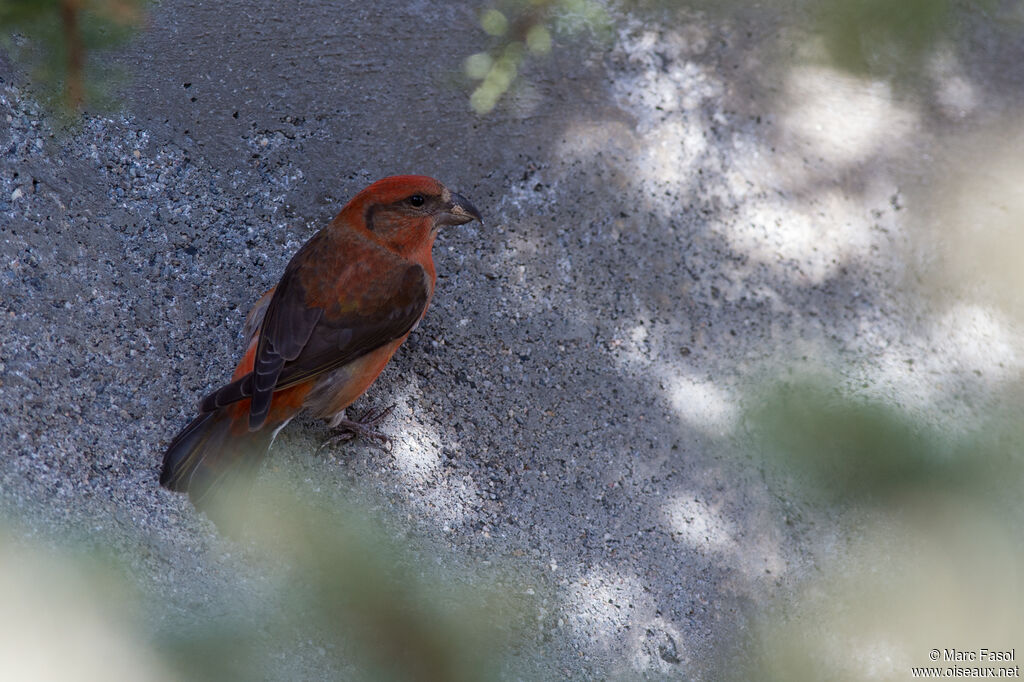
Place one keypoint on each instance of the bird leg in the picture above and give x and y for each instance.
(345, 429)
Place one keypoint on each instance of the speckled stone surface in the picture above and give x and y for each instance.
(668, 218)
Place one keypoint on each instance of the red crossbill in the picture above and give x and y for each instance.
(316, 341)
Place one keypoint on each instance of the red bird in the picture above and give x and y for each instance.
(317, 340)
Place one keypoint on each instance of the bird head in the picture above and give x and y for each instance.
(406, 211)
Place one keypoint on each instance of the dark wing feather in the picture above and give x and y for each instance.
(298, 342)
(227, 394)
(338, 341)
(287, 326)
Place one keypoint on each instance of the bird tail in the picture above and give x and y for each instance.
(209, 454)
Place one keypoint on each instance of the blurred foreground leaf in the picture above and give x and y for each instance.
(347, 578)
(68, 615)
(521, 29)
(929, 557)
(842, 447)
(57, 39)
(938, 575)
(897, 40)
(863, 35)
(312, 590)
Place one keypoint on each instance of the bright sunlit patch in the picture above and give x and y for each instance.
(969, 236)
(612, 610)
(913, 581)
(54, 625)
(750, 549)
(600, 606)
(697, 524)
(664, 92)
(416, 450)
(819, 236)
(981, 340)
(954, 91)
(664, 76)
(672, 153)
(702, 404)
(659, 646)
(971, 349)
(638, 335)
(844, 119)
(416, 453)
(448, 501)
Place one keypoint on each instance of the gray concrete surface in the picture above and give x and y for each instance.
(670, 216)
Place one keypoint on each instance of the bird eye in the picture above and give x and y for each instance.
(416, 200)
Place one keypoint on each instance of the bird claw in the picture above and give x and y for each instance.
(361, 427)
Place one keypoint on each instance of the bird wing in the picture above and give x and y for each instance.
(305, 332)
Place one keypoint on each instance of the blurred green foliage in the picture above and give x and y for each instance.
(879, 38)
(841, 447)
(864, 35)
(313, 576)
(344, 579)
(372, 596)
(898, 39)
(937, 575)
(57, 40)
(928, 555)
(69, 612)
(520, 29)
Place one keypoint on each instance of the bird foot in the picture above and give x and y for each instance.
(362, 427)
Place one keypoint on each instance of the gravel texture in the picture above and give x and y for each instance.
(669, 218)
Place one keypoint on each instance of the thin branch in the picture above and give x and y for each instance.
(74, 89)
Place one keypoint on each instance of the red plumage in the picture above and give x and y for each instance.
(318, 339)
